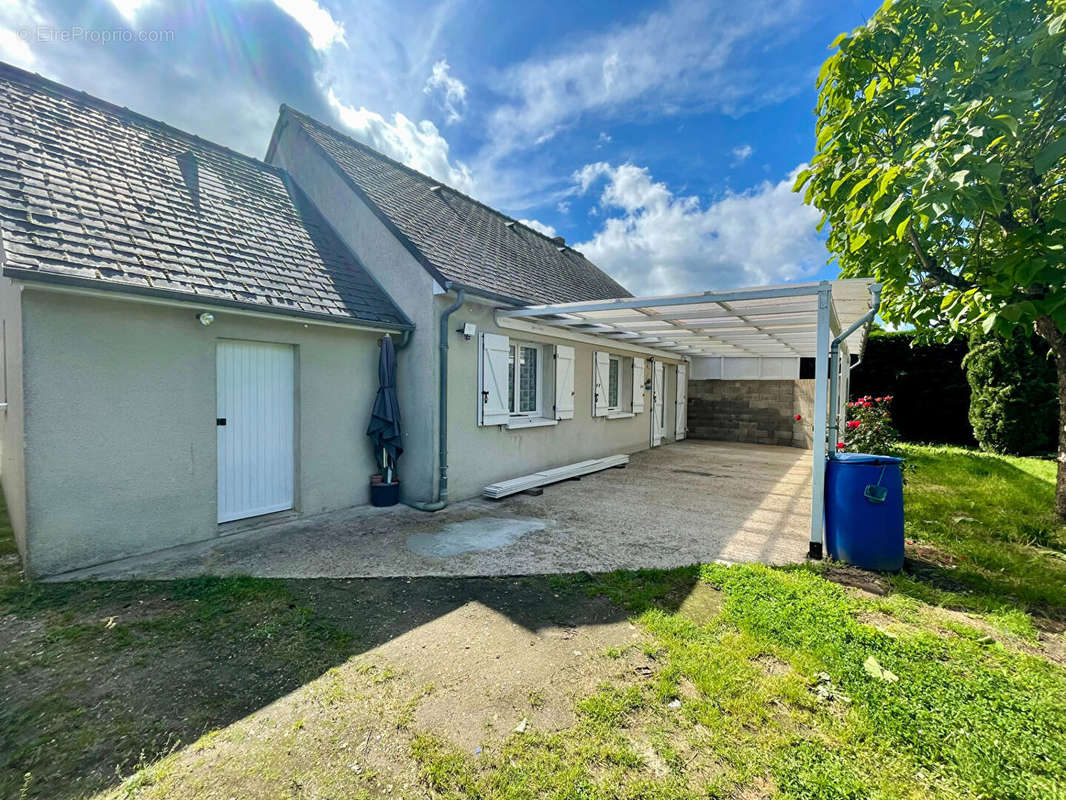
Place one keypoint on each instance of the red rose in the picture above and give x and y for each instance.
(878, 399)
(867, 404)
(853, 424)
(841, 445)
(798, 417)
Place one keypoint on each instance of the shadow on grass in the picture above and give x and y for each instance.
(100, 679)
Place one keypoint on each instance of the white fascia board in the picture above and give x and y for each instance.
(616, 345)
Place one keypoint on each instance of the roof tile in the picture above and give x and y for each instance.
(94, 192)
(464, 240)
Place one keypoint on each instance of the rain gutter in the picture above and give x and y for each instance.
(442, 483)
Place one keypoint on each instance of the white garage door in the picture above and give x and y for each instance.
(255, 428)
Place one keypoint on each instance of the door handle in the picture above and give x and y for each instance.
(220, 421)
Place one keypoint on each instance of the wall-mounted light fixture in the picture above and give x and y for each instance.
(468, 330)
(206, 318)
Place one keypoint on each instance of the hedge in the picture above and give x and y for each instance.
(928, 383)
(1014, 402)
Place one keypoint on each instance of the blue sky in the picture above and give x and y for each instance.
(658, 138)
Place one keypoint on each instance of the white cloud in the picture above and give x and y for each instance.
(453, 91)
(563, 206)
(742, 153)
(537, 225)
(418, 145)
(14, 49)
(18, 21)
(317, 21)
(128, 8)
(666, 60)
(662, 243)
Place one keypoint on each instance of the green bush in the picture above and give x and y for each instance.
(1013, 403)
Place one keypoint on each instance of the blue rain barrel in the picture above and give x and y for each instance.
(864, 511)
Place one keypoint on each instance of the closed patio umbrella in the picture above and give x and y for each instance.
(384, 426)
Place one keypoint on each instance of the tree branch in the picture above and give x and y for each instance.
(939, 274)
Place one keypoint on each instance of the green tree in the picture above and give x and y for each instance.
(940, 166)
(1013, 407)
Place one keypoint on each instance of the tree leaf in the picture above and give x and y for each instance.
(1008, 122)
(858, 187)
(1047, 157)
(801, 179)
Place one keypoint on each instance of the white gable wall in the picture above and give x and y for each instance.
(403, 278)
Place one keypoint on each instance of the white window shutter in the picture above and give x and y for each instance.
(638, 385)
(564, 382)
(681, 403)
(493, 398)
(601, 367)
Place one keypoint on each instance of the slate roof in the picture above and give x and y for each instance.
(94, 194)
(454, 236)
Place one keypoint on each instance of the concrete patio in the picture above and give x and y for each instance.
(694, 501)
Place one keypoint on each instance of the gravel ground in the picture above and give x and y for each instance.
(680, 504)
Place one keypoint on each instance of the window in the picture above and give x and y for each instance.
(524, 380)
(613, 383)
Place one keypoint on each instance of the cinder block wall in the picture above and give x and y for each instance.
(753, 411)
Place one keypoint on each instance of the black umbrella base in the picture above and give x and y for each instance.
(385, 494)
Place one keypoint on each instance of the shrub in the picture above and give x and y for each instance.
(1013, 403)
(869, 427)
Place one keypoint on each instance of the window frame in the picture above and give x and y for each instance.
(515, 375)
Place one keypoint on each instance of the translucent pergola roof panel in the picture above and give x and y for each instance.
(763, 321)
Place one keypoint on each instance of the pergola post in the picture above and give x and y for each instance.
(821, 413)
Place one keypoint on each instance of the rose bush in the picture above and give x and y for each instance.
(869, 427)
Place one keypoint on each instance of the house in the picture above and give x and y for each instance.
(190, 336)
(520, 397)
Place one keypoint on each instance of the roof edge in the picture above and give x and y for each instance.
(187, 298)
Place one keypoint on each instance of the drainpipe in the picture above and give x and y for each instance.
(442, 487)
(834, 363)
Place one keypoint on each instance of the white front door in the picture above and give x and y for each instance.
(681, 403)
(658, 407)
(255, 428)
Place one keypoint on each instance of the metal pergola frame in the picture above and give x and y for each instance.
(799, 320)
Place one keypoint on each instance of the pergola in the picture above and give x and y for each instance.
(797, 320)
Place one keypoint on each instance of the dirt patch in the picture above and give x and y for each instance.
(317, 687)
(865, 581)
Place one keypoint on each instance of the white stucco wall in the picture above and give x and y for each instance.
(479, 455)
(12, 466)
(403, 278)
(120, 433)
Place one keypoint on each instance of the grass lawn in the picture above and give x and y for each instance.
(813, 681)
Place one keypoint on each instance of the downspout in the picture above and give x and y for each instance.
(834, 362)
(442, 485)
